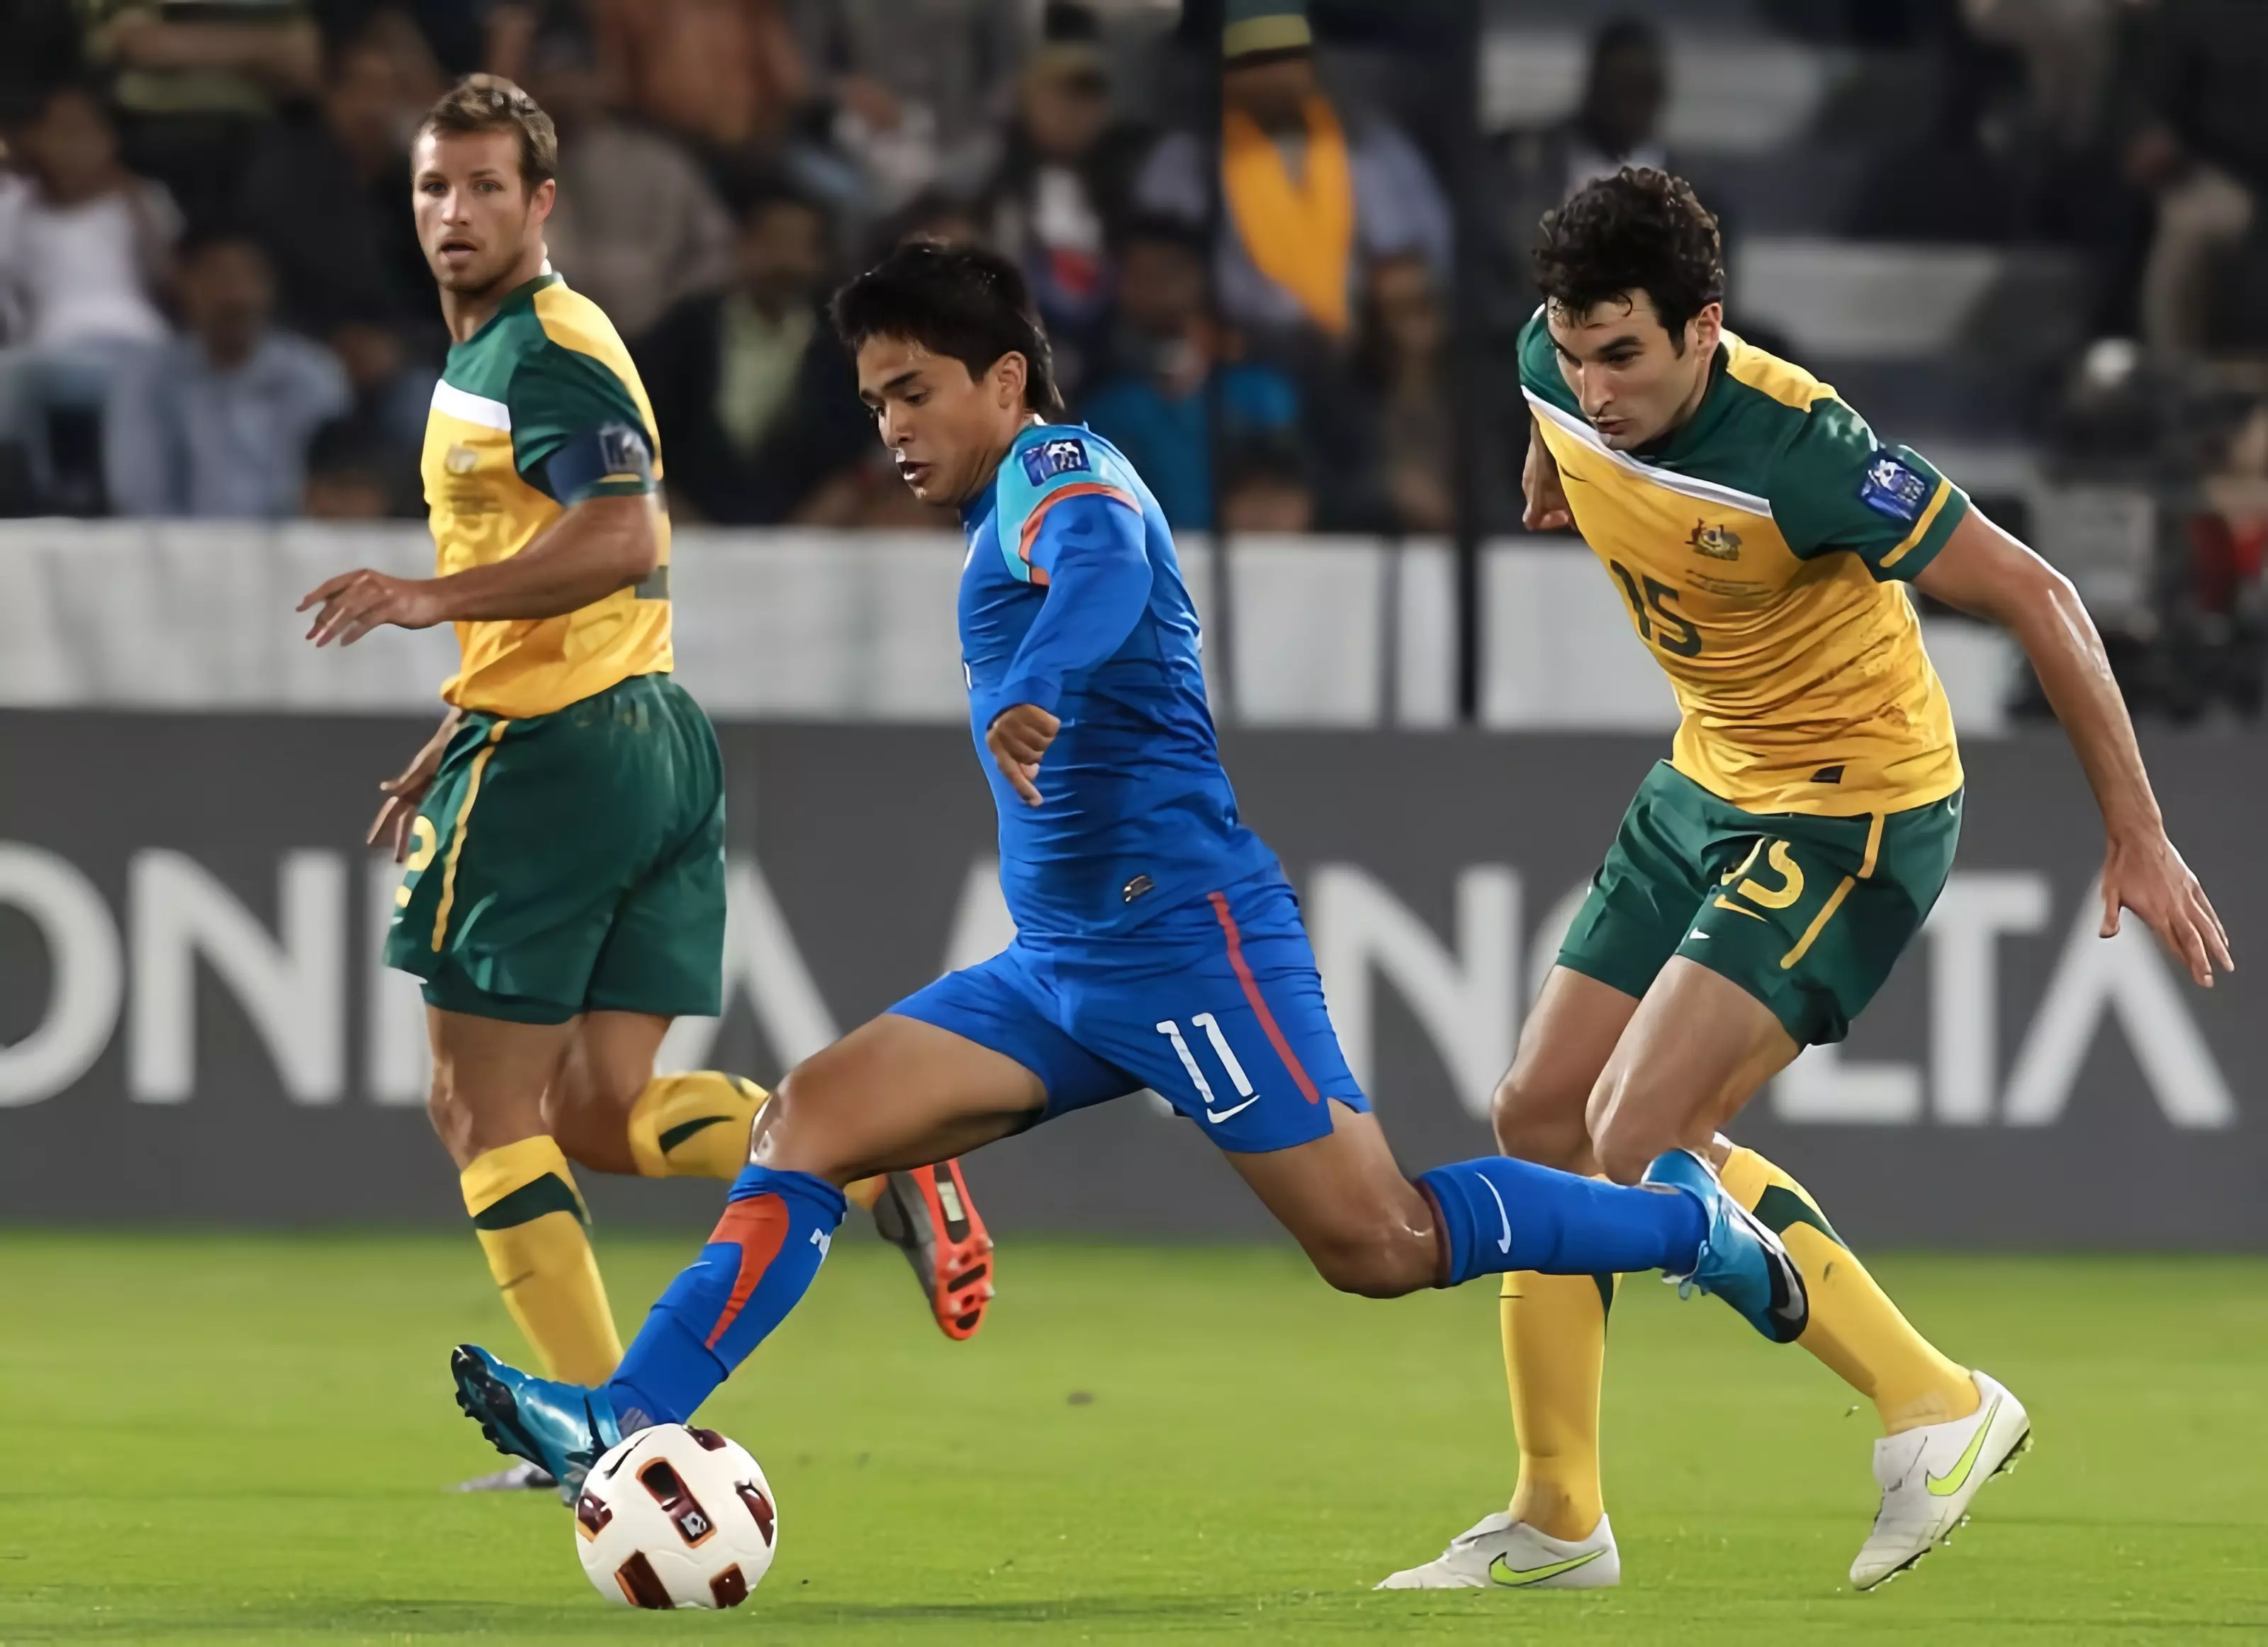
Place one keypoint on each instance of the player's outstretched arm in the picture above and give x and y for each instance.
(601, 545)
(1984, 571)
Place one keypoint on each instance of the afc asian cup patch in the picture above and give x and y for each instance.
(1050, 458)
(622, 453)
(1895, 488)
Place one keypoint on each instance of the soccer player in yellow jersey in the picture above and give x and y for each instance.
(1769, 873)
(564, 828)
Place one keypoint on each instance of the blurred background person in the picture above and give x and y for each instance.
(195, 86)
(636, 225)
(911, 93)
(754, 397)
(1062, 181)
(1311, 191)
(326, 198)
(85, 246)
(1265, 488)
(1404, 371)
(2199, 148)
(1166, 374)
(216, 423)
(726, 77)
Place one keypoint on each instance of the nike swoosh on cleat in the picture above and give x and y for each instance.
(1238, 1109)
(1503, 1241)
(1949, 1483)
(1501, 1572)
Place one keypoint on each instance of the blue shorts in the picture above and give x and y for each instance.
(1214, 1005)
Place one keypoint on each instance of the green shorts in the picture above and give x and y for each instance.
(571, 862)
(1807, 914)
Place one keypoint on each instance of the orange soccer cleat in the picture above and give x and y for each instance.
(928, 1216)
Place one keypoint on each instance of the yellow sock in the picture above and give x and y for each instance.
(534, 1228)
(1855, 1328)
(696, 1125)
(1555, 1348)
(693, 1125)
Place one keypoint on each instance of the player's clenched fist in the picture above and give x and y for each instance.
(1018, 738)
(355, 603)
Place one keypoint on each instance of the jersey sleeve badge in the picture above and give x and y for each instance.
(1895, 488)
(1064, 455)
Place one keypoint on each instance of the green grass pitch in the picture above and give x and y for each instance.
(217, 1440)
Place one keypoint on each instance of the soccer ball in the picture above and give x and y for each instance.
(676, 1517)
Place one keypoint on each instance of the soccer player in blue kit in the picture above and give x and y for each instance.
(1158, 943)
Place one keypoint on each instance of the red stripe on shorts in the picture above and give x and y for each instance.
(757, 1226)
(1260, 1007)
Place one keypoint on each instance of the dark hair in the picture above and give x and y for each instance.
(962, 301)
(1161, 228)
(203, 239)
(1640, 230)
(488, 102)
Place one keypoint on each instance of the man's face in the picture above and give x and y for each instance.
(1628, 88)
(72, 145)
(944, 429)
(1631, 383)
(364, 104)
(1065, 110)
(1274, 93)
(1160, 287)
(783, 254)
(227, 297)
(477, 219)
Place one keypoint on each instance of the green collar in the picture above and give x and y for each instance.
(520, 297)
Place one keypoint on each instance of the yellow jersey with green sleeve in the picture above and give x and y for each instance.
(1761, 550)
(535, 412)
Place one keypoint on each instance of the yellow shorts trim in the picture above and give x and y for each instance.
(457, 834)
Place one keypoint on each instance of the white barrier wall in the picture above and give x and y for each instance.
(801, 625)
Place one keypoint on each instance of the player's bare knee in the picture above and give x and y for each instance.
(1540, 1121)
(1625, 1146)
(1373, 1263)
(452, 1118)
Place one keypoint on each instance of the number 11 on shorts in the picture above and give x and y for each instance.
(1172, 1032)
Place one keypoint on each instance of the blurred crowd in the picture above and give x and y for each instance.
(213, 301)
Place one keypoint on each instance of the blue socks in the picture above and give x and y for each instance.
(758, 1263)
(1499, 1214)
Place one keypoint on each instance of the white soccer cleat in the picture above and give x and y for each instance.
(1929, 1476)
(1499, 1553)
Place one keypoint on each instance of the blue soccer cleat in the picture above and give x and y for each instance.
(558, 1427)
(1741, 1260)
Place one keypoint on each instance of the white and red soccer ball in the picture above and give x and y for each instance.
(676, 1517)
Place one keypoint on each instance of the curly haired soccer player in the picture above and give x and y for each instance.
(1158, 944)
(1772, 871)
(564, 828)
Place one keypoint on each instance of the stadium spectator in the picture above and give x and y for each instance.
(636, 225)
(754, 398)
(726, 76)
(2198, 146)
(328, 200)
(455, 33)
(1062, 182)
(1404, 368)
(83, 249)
(916, 87)
(1619, 122)
(215, 424)
(1310, 192)
(350, 477)
(393, 390)
(195, 83)
(1168, 374)
(1266, 489)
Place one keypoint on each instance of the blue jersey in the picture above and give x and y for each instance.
(1071, 598)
